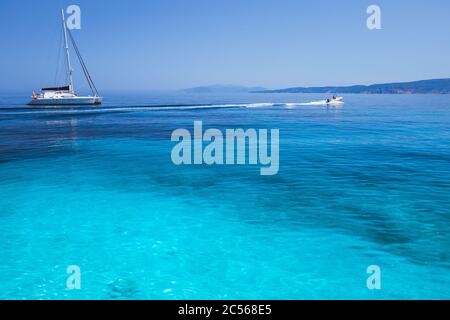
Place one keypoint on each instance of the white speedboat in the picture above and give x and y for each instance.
(66, 95)
(335, 100)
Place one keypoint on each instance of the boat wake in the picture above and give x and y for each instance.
(49, 110)
(315, 103)
(84, 110)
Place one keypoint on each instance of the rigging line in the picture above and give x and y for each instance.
(58, 58)
(85, 70)
(83, 65)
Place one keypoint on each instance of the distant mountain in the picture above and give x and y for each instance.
(438, 86)
(223, 89)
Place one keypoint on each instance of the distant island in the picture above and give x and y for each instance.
(224, 89)
(436, 86)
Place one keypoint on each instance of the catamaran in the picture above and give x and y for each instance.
(66, 95)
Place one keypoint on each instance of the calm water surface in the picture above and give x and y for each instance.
(364, 184)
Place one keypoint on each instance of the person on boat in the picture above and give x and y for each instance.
(34, 95)
(328, 100)
(334, 97)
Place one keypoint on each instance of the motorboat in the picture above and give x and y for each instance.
(335, 100)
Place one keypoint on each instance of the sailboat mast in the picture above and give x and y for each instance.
(69, 66)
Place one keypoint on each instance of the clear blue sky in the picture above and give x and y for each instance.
(140, 45)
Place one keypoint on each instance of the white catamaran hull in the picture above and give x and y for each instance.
(66, 101)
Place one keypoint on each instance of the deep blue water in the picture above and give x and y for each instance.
(364, 184)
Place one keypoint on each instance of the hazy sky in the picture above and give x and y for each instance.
(170, 44)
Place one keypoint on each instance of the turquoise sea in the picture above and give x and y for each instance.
(367, 183)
